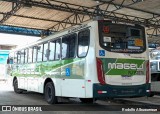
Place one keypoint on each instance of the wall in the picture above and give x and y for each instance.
(3, 63)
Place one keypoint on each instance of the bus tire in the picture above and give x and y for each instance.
(49, 93)
(86, 100)
(15, 86)
(151, 95)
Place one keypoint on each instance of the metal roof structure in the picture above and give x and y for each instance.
(46, 16)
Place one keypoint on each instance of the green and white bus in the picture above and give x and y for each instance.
(94, 60)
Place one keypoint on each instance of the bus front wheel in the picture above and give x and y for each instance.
(50, 93)
(15, 85)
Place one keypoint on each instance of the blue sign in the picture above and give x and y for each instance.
(4, 56)
(101, 52)
(68, 72)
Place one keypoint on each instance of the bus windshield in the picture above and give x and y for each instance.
(122, 38)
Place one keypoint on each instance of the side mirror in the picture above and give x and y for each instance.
(9, 61)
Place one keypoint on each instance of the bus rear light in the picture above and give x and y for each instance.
(100, 72)
(147, 72)
(100, 92)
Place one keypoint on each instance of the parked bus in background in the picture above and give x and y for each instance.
(155, 68)
(95, 60)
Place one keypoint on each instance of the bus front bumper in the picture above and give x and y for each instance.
(112, 91)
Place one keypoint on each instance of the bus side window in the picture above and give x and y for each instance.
(18, 57)
(83, 43)
(34, 54)
(45, 54)
(15, 57)
(40, 51)
(58, 47)
(52, 50)
(68, 46)
(30, 55)
(22, 56)
(26, 55)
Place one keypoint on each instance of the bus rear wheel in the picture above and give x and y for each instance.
(86, 100)
(15, 85)
(49, 93)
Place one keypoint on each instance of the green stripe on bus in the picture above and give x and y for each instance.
(121, 63)
(53, 69)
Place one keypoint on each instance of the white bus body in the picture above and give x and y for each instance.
(94, 60)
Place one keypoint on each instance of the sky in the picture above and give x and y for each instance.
(12, 39)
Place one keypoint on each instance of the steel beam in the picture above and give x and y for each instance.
(121, 5)
(23, 31)
(155, 32)
(30, 17)
(15, 7)
(57, 26)
(74, 18)
(91, 11)
(117, 6)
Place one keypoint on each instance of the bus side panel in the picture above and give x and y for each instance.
(52, 70)
(91, 70)
(21, 82)
(32, 84)
(72, 74)
(73, 88)
(17, 72)
(57, 85)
